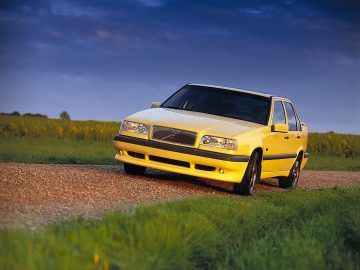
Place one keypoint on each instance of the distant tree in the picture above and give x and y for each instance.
(15, 113)
(35, 115)
(65, 115)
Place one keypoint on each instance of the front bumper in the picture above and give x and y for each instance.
(180, 159)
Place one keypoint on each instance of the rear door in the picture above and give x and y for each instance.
(294, 128)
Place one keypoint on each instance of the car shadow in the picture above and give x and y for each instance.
(200, 182)
(269, 182)
(187, 181)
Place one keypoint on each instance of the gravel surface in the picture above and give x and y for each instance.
(32, 195)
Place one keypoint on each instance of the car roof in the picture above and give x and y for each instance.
(233, 89)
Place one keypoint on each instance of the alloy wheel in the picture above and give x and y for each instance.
(253, 178)
(295, 173)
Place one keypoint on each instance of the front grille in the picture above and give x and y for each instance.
(170, 161)
(174, 135)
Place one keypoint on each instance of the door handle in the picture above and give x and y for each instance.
(286, 137)
(298, 137)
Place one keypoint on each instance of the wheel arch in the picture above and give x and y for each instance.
(300, 154)
(260, 151)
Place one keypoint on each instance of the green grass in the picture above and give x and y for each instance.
(291, 230)
(64, 151)
(333, 163)
(71, 151)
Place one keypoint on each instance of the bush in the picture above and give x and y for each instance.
(15, 113)
(35, 115)
(333, 144)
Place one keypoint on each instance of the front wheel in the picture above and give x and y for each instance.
(134, 169)
(291, 181)
(251, 176)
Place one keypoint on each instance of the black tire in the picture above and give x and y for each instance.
(290, 182)
(134, 169)
(251, 176)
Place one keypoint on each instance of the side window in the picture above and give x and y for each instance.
(291, 117)
(279, 114)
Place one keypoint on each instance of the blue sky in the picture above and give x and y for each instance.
(107, 59)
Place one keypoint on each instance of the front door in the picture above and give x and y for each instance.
(278, 152)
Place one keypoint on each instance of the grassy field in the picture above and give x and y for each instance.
(41, 140)
(63, 151)
(300, 229)
(69, 151)
(332, 163)
(44, 128)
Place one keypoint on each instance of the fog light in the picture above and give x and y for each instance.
(221, 171)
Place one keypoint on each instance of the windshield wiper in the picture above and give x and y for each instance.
(177, 108)
(171, 107)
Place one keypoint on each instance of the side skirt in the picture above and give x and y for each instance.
(274, 174)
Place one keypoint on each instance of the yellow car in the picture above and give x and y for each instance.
(219, 133)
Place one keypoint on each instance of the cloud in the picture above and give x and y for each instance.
(108, 37)
(67, 8)
(55, 34)
(261, 10)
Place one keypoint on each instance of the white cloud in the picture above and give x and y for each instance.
(105, 36)
(72, 9)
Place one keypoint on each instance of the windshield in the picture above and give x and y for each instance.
(217, 101)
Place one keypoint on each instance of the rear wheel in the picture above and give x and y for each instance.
(291, 181)
(134, 169)
(251, 176)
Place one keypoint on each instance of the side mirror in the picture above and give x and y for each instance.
(155, 105)
(279, 127)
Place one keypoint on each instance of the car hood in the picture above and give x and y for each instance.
(201, 123)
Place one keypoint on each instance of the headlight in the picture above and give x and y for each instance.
(134, 127)
(218, 142)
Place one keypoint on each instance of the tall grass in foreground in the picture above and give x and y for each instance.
(291, 230)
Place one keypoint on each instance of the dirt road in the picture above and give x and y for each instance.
(32, 195)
